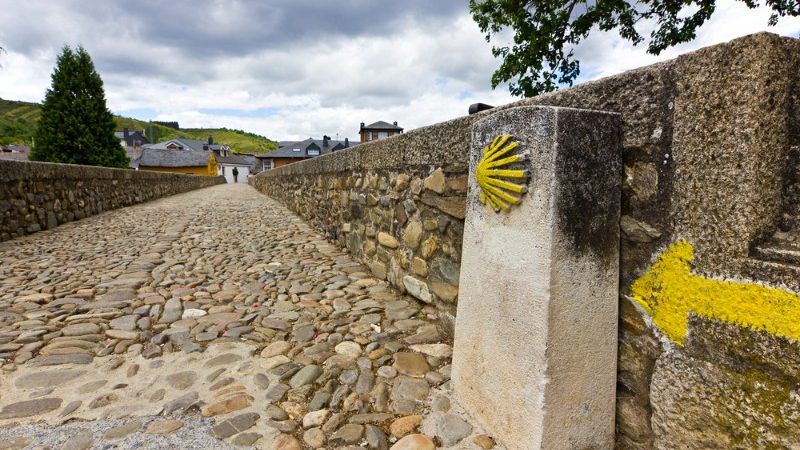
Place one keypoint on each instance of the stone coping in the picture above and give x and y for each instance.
(34, 170)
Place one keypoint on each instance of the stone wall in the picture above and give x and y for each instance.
(707, 138)
(707, 181)
(396, 204)
(39, 196)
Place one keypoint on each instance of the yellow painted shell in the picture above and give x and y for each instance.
(495, 192)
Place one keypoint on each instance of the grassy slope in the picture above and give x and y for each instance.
(18, 122)
(240, 141)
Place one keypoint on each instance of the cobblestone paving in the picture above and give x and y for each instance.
(214, 319)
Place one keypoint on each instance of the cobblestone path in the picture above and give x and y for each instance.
(214, 319)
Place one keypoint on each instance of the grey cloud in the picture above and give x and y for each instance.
(234, 28)
(210, 28)
(190, 41)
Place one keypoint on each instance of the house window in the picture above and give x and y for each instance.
(382, 135)
(295, 149)
(313, 152)
(268, 164)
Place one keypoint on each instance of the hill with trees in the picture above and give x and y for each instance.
(18, 122)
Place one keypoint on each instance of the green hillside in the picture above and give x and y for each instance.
(18, 123)
(154, 132)
(240, 141)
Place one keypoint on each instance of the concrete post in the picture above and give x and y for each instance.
(536, 330)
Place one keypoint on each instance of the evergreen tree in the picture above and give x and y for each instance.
(75, 126)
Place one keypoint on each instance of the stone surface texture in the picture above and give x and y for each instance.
(552, 288)
(390, 203)
(293, 334)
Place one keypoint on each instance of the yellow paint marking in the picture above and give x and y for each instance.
(669, 291)
(494, 191)
(212, 165)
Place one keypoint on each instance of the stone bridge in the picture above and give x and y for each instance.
(209, 319)
(638, 288)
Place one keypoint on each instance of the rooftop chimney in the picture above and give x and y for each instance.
(125, 133)
(395, 123)
(346, 143)
(362, 124)
(325, 141)
(210, 140)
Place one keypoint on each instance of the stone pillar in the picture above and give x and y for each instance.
(536, 330)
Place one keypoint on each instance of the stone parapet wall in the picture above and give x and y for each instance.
(707, 140)
(395, 204)
(707, 143)
(37, 196)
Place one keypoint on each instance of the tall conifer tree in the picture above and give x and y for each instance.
(75, 126)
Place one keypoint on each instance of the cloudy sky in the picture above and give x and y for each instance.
(292, 69)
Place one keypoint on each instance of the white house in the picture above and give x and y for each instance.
(235, 168)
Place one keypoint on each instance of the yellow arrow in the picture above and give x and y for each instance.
(669, 291)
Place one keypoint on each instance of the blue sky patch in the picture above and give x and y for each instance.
(463, 95)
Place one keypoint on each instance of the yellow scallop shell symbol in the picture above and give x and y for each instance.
(497, 193)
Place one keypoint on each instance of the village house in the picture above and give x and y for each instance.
(186, 156)
(132, 142)
(187, 161)
(191, 144)
(298, 151)
(235, 168)
(378, 130)
(17, 152)
(129, 138)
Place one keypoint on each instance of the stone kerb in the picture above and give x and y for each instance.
(536, 328)
(11, 170)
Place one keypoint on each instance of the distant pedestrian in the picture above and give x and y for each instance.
(235, 175)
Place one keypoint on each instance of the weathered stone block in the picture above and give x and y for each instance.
(542, 372)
